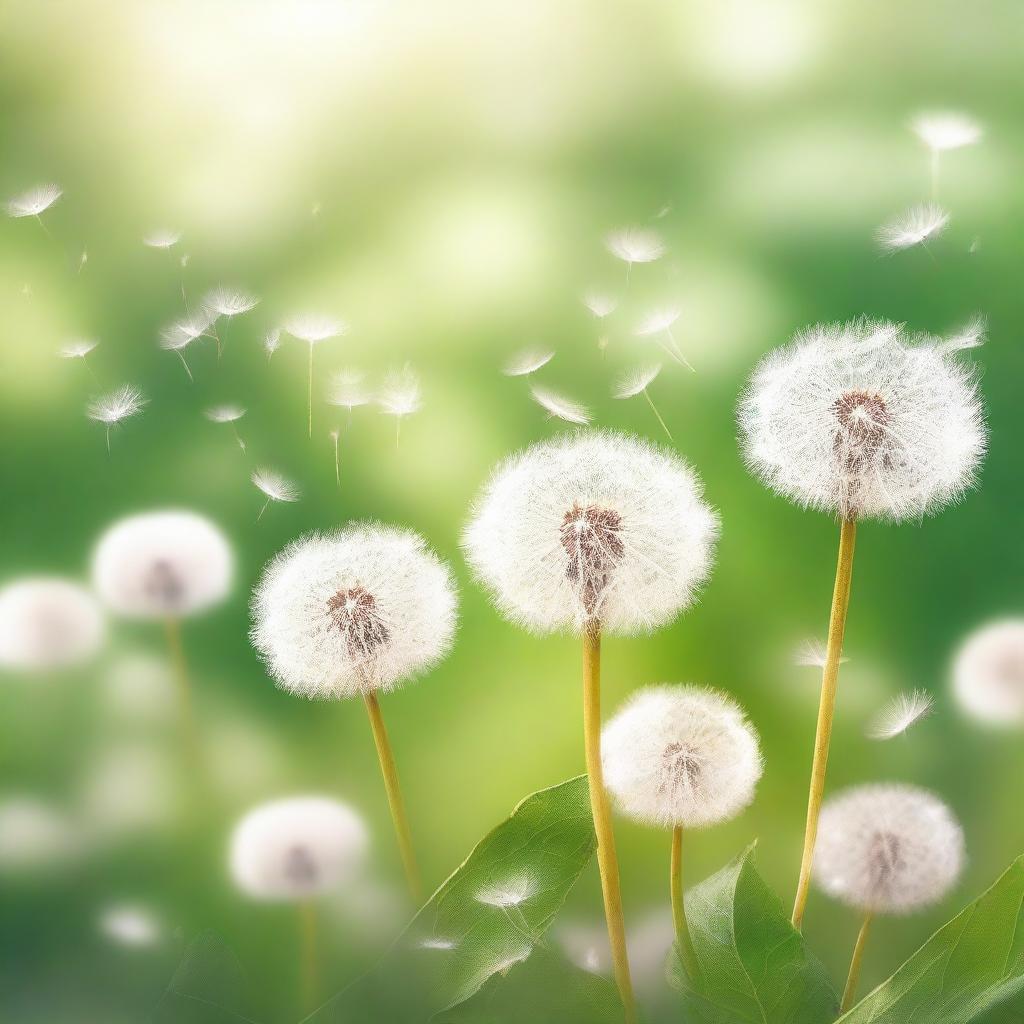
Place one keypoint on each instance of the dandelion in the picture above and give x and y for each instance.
(400, 396)
(917, 226)
(131, 788)
(598, 532)
(275, 487)
(129, 924)
(116, 407)
(635, 245)
(988, 673)
(600, 304)
(229, 302)
(162, 238)
(34, 203)
(272, 341)
(860, 421)
(313, 328)
(905, 710)
(48, 623)
(657, 324)
(941, 131)
(560, 406)
(681, 757)
(351, 614)
(886, 849)
(529, 361)
(176, 337)
(636, 382)
(227, 414)
(347, 389)
(79, 348)
(34, 834)
(972, 334)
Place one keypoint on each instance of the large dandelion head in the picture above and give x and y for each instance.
(681, 756)
(366, 608)
(988, 673)
(596, 528)
(162, 565)
(888, 849)
(863, 421)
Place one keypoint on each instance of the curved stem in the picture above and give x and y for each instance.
(607, 860)
(179, 665)
(683, 940)
(850, 992)
(308, 965)
(826, 708)
(395, 802)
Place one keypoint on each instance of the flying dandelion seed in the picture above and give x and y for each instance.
(529, 361)
(636, 382)
(275, 487)
(905, 710)
(917, 226)
(812, 653)
(560, 406)
(600, 304)
(227, 414)
(973, 334)
(942, 131)
(658, 324)
(347, 389)
(34, 203)
(229, 302)
(176, 337)
(116, 407)
(272, 341)
(313, 328)
(400, 396)
(635, 245)
(162, 238)
(82, 260)
(79, 348)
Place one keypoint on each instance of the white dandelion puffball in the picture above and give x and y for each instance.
(888, 849)
(164, 564)
(635, 382)
(162, 238)
(917, 226)
(313, 328)
(77, 348)
(296, 848)
(942, 130)
(988, 673)
(117, 406)
(530, 360)
(861, 421)
(225, 413)
(34, 834)
(595, 528)
(34, 202)
(229, 302)
(635, 245)
(340, 614)
(680, 756)
(347, 389)
(560, 407)
(48, 623)
(128, 924)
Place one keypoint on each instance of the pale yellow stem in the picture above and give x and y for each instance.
(686, 951)
(850, 992)
(179, 667)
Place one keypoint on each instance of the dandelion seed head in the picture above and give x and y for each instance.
(860, 421)
(225, 413)
(162, 564)
(129, 924)
(34, 202)
(916, 226)
(313, 328)
(275, 486)
(635, 381)
(680, 756)
(972, 334)
(597, 527)
(903, 711)
(297, 848)
(942, 130)
(888, 849)
(400, 394)
(988, 673)
(183, 332)
(560, 406)
(119, 405)
(530, 360)
(162, 238)
(228, 302)
(635, 245)
(367, 608)
(34, 834)
(347, 388)
(657, 321)
(600, 304)
(77, 348)
(508, 893)
(272, 341)
(812, 653)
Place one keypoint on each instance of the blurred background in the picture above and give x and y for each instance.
(443, 177)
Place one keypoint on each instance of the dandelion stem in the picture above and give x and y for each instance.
(850, 992)
(266, 504)
(654, 409)
(108, 438)
(826, 708)
(179, 665)
(337, 462)
(311, 391)
(309, 962)
(187, 370)
(683, 940)
(395, 802)
(607, 859)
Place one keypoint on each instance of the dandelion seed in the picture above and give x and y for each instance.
(228, 302)
(635, 245)
(442, 944)
(79, 348)
(335, 436)
(529, 361)
(659, 322)
(34, 202)
(347, 389)
(636, 382)
(116, 407)
(82, 260)
(400, 396)
(812, 653)
(275, 487)
(905, 710)
(510, 893)
(973, 334)
(130, 925)
(313, 328)
(227, 414)
(600, 304)
(917, 226)
(560, 406)
(946, 130)
(272, 341)
(176, 337)
(162, 238)
(35, 835)
(988, 673)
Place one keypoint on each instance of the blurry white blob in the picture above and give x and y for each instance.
(988, 673)
(35, 835)
(528, 361)
(129, 924)
(161, 238)
(508, 893)
(400, 396)
(272, 341)
(635, 245)
(560, 406)
(347, 389)
(600, 304)
(903, 711)
(917, 226)
(130, 788)
(34, 202)
(139, 687)
(313, 328)
(944, 130)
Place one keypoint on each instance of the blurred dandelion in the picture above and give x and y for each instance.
(560, 406)
(657, 324)
(227, 414)
(275, 486)
(636, 382)
(79, 348)
(272, 341)
(335, 436)
(527, 362)
(82, 260)
(129, 924)
(313, 328)
(116, 407)
(635, 245)
(347, 389)
(131, 787)
(161, 238)
(917, 226)
(400, 396)
(34, 202)
(600, 304)
(903, 711)
(941, 131)
(35, 835)
(988, 673)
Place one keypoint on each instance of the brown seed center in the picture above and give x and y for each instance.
(591, 539)
(681, 769)
(299, 866)
(354, 612)
(884, 858)
(163, 585)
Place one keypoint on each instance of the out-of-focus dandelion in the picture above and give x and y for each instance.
(313, 328)
(79, 348)
(34, 202)
(636, 382)
(161, 238)
(886, 849)
(528, 361)
(35, 835)
(116, 407)
(275, 486)
(82, 260)
(48, 623)
(139, 687)
(559, 406)
(918, 226)
(176, 337)
(813, 653)
(351, 614)
(272, 341)
(227, 414)
(131, 787)
(635, 245)
(598, 532)
(400, 396)
(129, 924)
(347, 389)
(600, 304)
(972, 334)
(988, 673)
(657, 324)
(941, 131)
(229, 302)
(861, 420)
(903, 711)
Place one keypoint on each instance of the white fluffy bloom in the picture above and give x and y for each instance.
(635, 245)
(34, 202)
(988, 673)
(598, 526)
(560, 406)
(162, 564)
(972, 334)
(48, 623)
(161, 238)
(119, 405)
(225, 413)
(34, 834)
(77, 348)
(313, 328)
(858, 420)
(297, 848)
(363, 609)
(347, 388)
(917, 226)
(942, 130)
(229, 302)
(888, 849)
(634, 382)
(400, 395)
(600, 304)
(530, 360)
(903, 711)
(129, 924)
(680, 756)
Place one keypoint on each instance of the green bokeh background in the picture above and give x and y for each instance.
(442, 177)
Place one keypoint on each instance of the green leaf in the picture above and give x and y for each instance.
(486, 918)
(971, 971)
(753, 965)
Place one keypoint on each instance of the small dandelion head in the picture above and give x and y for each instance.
(313, 328)
(228, 302)
(528, 361)
(162, 238)
(635, 245)
(48, 623)
(275, 486)
(165, 564)
(863, 421)
(600, 304)
(400, 394)
(903, 711)
(918, 225)
(888, 849)
(988, 673)
(367, 608)
(636, 381)
(559, 406)
(595, 528)
(347, 389)
(681, 756)
(117, 406)
(297, 848)
(942, 130)
(77, 348)
(34, 202)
